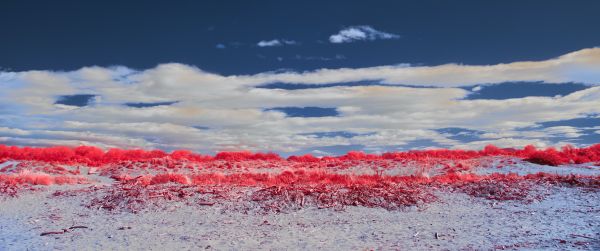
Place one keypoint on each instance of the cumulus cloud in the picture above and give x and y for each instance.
(238, 115)
(275, 42)
(361, 32)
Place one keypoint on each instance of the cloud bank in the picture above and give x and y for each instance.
(181, 106)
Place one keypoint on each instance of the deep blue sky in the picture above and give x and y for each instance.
(66, 35)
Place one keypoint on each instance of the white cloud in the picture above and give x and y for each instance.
(361, 32)
(580, 67)
(275, 42)
(505, 143)
(548, 132)
(270, 43)
(234, 109)
(13, 131)
(562, 131)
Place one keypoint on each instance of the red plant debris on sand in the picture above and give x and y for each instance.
(134, 197)
(293, 190)
(390, 180)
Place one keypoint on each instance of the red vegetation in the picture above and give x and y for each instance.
(93, 156)
(240, 156)
(169, 177)
(11, 184)
(40, 179)
(385, 195)
(294, 190)
(311, 178)
(390, 180)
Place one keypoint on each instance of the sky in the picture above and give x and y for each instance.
(295, 77)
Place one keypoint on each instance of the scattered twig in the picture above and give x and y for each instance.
(54, 232)
(205, 203)
(583, 236)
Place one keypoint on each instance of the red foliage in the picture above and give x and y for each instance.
(549, 157)
(240, 156)
(306, 177)
(92, 156)
(390, 180)
(296, 189)
(303, 158)
(491, 150)
(40, 179)
(169, 177)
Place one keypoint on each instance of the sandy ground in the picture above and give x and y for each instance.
(567, 219)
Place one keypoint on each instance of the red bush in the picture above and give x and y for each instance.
(303, 158)
(170, 177)
(549, 157)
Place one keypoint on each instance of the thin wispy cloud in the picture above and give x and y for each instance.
(320, 58)
(275, 42)
(358, 33)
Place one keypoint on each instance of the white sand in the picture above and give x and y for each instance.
(461, 222)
